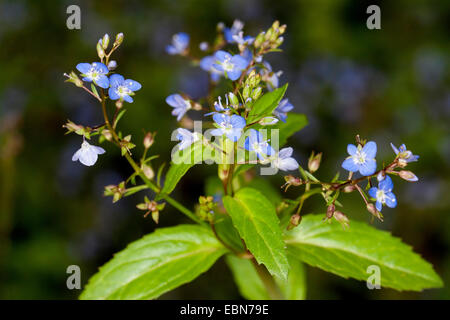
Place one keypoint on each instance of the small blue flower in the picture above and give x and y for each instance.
(88, 154)
(361, 159)
(232, 66)
(271, 78)
(233, 31)
(186, 137)
(254, 142)
(231, 126)
(95, 72)
(180, 105)
(283, 108)
(218, 105)
(207, 64)
(121, 88)
(404, 154)
(180, 43)
(284, 161)
(383, 194)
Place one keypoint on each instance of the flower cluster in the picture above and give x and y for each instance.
(239, 59)
(118, 88)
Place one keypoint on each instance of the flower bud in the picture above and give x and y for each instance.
(246, 92)
(278, 42)
(402, 163)
(291, 181)
(100, 51)
(119, 39)
(204, 46)
(149, 139)
(294, 221)
(268, 121)
(72, 77)
(330, 211)
(105, 41)
(259, 40)
(349, 188)
(381, 175)
(314, 162)
(256, 93)
(371, 208)
(112, 65)
(341, 218)
(148, 171)
(233, 99)
(107, 134)
(408, 176)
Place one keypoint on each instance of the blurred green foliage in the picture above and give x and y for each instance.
(387, 85)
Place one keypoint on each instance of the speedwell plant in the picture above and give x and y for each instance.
(264, 238)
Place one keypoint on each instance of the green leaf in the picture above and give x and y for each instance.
(252, 288)
(266, 188)
(246, 278)
(255, 218)
(348, 253)
(186, 159)
(155, 264)
(265, 105)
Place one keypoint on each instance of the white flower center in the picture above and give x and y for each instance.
(93, 74)
(381, 196)
(123, 91)
(227, 65)
(359, 157)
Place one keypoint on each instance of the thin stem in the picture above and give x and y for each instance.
(268, 281)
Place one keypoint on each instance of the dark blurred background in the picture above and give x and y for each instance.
(389, 85)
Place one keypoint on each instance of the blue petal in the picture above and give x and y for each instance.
(370, 149)
(127, 98)
(237, 121)
(83, 67)
(220, 118)
(239, 62)
(378, 205)
(394, 148)
(183, 38)
(115, 80)
(391, 200)
(173, 100)
(368, 168)
(113, 94)
(386, 184)
(88, 79)
(222, 55)
(247, 144)
(351, 149)
(101, 68)
(350, 165)
(234, 74)
(217, 132)
(234, 135)
(207, 62)
(373, 192)
(170, 49)
(132, 85)
(102, 82)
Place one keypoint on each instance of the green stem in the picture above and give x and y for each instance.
(268, 281)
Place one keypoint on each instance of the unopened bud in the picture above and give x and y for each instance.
(291, 181)
(105, 41)
(72, 77)
(381, 175)
(282, 29)
(148, 171)
(149, 139)
(107, 134)
(119, 39)
(294, 221)
(268, 121)
(278, 42)
(314, 162)
(408, 176)
(330, 211)
(341, 218)
(259, 40)
(256, 93)
(402, 163)
(371, 208)
(112, 65)
(100, 51)
(233, 99)
(349, 188)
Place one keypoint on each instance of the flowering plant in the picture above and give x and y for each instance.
(265, 239)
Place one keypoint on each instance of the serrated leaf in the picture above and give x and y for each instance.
(255, 218)
(348, 253)
(265, 105)
(155, 264)
(251, 286)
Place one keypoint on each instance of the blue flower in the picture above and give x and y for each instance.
(283, 108)
(95, 72)
(232, 66)
(383, 194)
(255, 142)
(271, 78)
(404, 155)
(180, 42)
(284, 161)
(88, 154)
(361, 159)
(233, 31)
(231, 126)
(207, 64)
(218, 105)
(180, 105)
(186, 137)
(121, 88)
